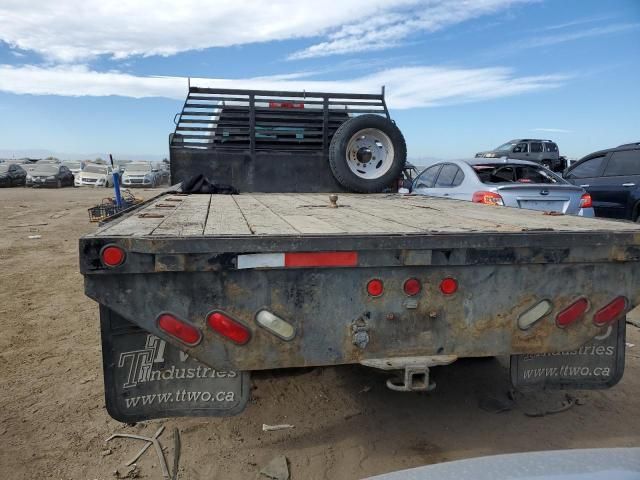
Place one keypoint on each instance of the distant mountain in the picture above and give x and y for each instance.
(42, 153)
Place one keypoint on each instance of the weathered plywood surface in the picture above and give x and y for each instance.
(188, 218)
(225, 217)
(292, 214)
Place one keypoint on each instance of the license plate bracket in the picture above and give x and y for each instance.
(598, 364)
(145, 377)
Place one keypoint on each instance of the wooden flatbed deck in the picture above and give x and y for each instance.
(290, 214)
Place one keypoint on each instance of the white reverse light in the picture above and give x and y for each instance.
(275, 325)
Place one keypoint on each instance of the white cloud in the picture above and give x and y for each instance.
(408, 87)
(380, 32)
(71, 31)
(68, 31)
(577, 35)
(551, 130)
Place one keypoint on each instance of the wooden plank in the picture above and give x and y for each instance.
(288, 207)
(425, 218)
(351, 220)
(310, 214)
(261, 219)
(188, 219)
(225, 217)
(137, 223)
(515, 218)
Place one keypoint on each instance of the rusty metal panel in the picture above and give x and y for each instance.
(331, 310)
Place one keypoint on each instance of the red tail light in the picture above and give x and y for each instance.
(412, 287)
(488, 198)
(375, 287)
(112, 256)
(612, 311)
(229, 328)
(449, 286)
(572, 313)
(585, 201)
(179, 329)
(286, 105)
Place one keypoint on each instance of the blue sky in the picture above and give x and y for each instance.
(95, 76)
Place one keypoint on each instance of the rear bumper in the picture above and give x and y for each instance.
(337, 322)
(586, 212)
(136, 183)
(46, 183)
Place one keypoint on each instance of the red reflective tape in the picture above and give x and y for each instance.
(321, 259)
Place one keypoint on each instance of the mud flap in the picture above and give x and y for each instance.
(598, 364)
(146, 377)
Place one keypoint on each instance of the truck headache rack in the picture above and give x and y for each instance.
(217, 118)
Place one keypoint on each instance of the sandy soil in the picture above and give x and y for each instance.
(347, 424)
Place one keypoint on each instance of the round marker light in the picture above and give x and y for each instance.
(449, 286)
(375, 287)
(412, 287)
(112, 256)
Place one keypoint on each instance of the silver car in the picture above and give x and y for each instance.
(504, 182)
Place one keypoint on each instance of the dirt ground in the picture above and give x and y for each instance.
(53, 422)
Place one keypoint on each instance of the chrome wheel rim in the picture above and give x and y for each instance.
(370, 153)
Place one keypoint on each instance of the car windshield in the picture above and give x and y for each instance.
(138, 167)
(95, 169)
(45, 169)
(4, 168)
(506, 146)
(515, 173)
(71, 165)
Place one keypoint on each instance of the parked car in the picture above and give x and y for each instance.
(31, 166)
(49, 175)
(504, 182)
(12, 175)
(95, 176)
(164, 174)
(612, 178)
(74, 166)
(544, 152)
(575, 464)
(140, 174)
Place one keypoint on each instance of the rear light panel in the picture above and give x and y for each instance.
(488, 198)
(375, 287)
(412, 287)
(534, 314)
(228, 327)
(611, 312)
(585, 201)
(179, 329)
(276, 325)
(572, 313)
(112, 256)
(449, 286)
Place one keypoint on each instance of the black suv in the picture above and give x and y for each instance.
(612, 178)
(544, 152)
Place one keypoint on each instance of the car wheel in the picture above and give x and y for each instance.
(367, 153)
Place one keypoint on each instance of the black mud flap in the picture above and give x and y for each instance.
(146, 377)
(596, 365)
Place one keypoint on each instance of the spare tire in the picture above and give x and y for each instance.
(367, 154)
